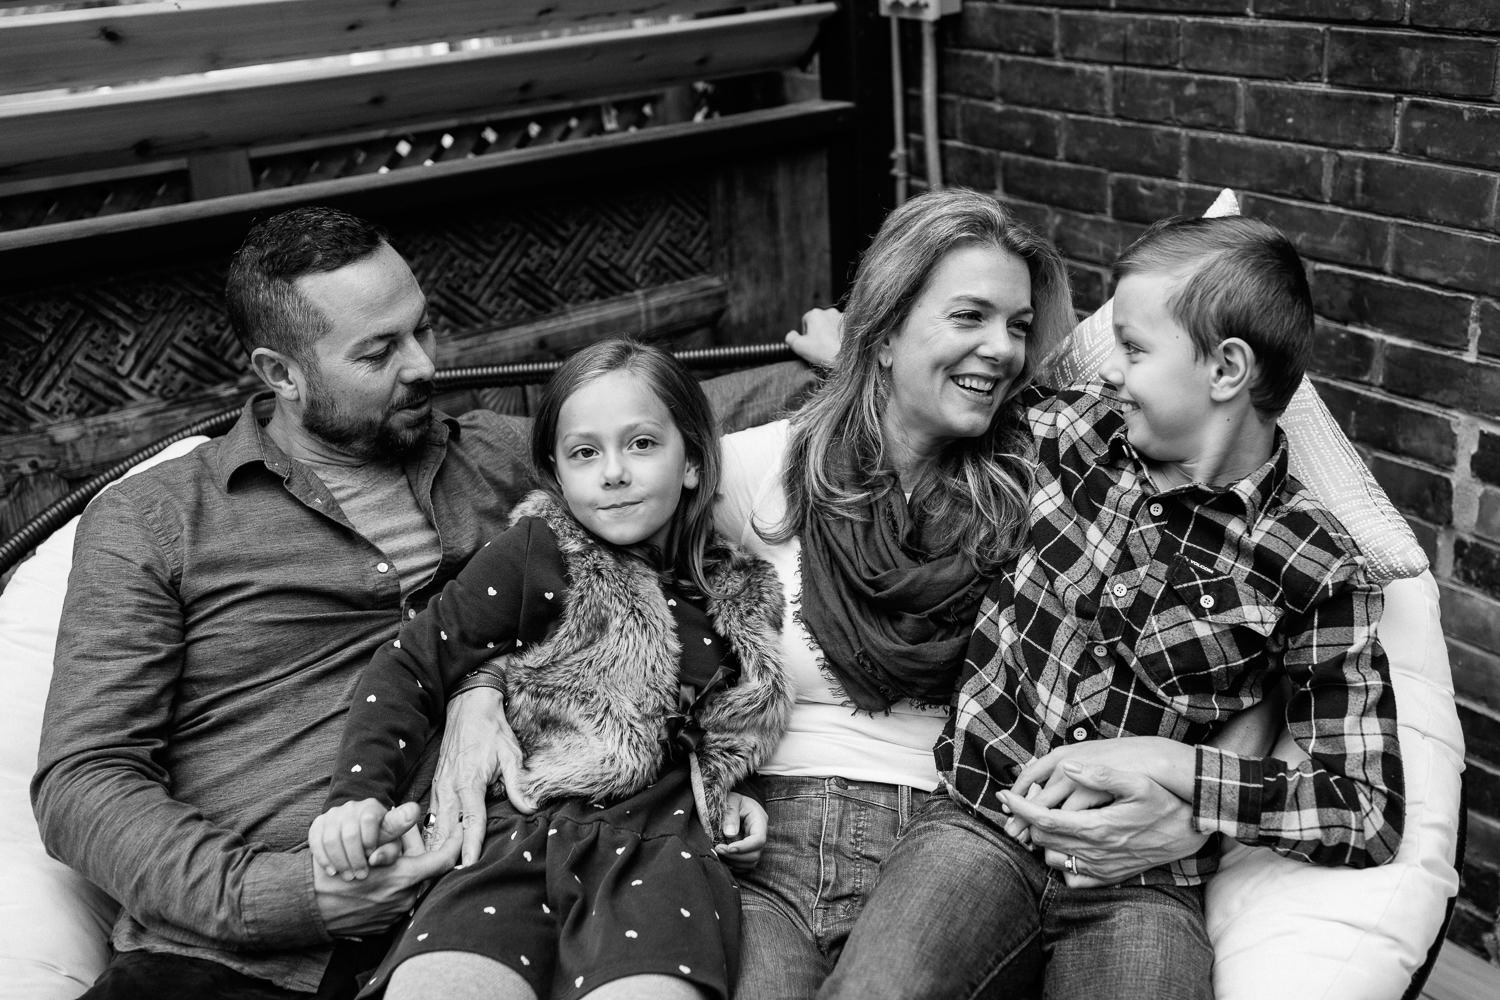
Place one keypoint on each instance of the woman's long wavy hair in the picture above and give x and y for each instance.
(691, 534)
(838, 460)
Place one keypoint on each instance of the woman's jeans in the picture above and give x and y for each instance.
(963, 910)
(827, 840)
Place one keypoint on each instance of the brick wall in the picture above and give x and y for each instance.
(1369, 130)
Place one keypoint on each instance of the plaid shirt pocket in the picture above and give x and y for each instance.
(1206, 629)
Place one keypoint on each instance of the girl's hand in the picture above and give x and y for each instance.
(344, 838)
(817, 342)
(745, 826)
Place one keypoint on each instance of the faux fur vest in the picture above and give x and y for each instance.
(589, 704)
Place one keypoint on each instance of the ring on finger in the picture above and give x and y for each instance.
(1070, 864)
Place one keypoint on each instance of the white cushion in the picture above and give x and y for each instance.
(1285, 929)
(54, 926)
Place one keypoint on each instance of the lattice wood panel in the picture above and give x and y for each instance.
(85, 349)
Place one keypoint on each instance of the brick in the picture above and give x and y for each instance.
(1482, 742)
(1092, 238)
(1457, 133)
(1447, 257)
(1481, 784)
(1472, 16)
(1434, 317)
(1053, 85)
(1177, 98)
(1448, 381)
(1391, 426)
(1427, 539)
(1410, 62)
(970, 166)
(1240, 48)
(1477, 564)
(1487, 520)
(1321, 116)
(1489, 328)
(1342, 353)
(1090, 287)
(1063, 184)
(1256, 165)
(1036, 217)
(1001, 29)
(1476, 676)
(1327, 11)
(1144, 199)
(1470, 929)
(1118, 39)
(1485, 462)
(968, 73)
(1186, 6)
(1014, 130)
(1328, 234)
(1415, 492)
(1455, 196)
(1469, 617)
(1134, 149)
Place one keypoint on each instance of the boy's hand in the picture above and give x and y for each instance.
(817, 342)
(345, 837)
(744, 819)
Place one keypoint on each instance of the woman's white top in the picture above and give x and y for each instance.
(827, 736)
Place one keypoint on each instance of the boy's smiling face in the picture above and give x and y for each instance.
(1168, 408)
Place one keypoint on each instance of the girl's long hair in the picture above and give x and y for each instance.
(691, 529)
(838, 462)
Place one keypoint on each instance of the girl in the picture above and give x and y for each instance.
(641, 679)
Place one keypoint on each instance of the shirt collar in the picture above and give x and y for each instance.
(1251, 494)
(248, 443)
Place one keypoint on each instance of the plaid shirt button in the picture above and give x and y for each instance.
(1101, 650)
(1120, 590)
(1080, 734)
(1206, 601)
(1156, 510)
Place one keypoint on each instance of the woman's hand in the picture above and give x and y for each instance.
(478, 750)
(1143, 826)
(745, 819)
(817, 342)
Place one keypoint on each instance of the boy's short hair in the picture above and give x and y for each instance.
(1240, 278)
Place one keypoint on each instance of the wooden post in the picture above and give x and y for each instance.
(855, 65)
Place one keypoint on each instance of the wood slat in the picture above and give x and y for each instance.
(171, 118)
(111, 45)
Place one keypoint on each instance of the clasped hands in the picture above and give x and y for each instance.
(370, 862)
(1117, 807)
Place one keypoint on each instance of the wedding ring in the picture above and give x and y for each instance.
(1071, 864)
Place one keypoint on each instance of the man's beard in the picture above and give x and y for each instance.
(366, 438)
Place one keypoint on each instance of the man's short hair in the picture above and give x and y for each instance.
(265, 307)
(1239, 278)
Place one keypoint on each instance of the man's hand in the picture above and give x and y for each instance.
(478, 749)
(388, 891)
(817, 342)
(1167, 762)
(1144, 826)
(745, 819)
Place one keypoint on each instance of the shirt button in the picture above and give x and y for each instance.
(1156, 510)
(1120, 590)
(411, 612)
(1080, 734)
(382, 567)
(1206, 601)
(1101, 650)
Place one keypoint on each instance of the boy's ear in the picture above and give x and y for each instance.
(1233, 364)
(280, 373)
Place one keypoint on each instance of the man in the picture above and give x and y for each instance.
(221, 607)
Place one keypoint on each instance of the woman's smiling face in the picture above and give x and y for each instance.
(954, 359)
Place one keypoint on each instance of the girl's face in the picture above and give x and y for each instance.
(961, 347)
(620, 460)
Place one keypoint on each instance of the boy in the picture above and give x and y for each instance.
(1173, 574)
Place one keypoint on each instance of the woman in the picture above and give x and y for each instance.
(885, 504)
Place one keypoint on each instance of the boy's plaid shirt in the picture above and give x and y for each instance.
(1134, 612)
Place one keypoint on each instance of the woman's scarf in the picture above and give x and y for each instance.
(893, 623)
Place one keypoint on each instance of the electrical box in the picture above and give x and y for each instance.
(919, 10)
